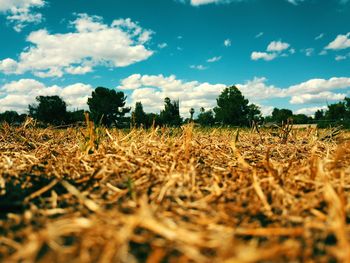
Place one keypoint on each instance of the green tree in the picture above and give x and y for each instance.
(138, 116)
(232, 107)
(50, 109)
(191, 112)
(336, 111)
(107, 106)
(10, 117)
(254, 113)
(301, 119)
(171, 113)
(319, 115)
(206, 118)
(281, 115)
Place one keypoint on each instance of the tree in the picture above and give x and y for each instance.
(171, 113)
(281, 115)
(254, 113)
(50, 109)
(191, 112)
(336, 111)
(206, 118)
(10, 117)
(319, 115)
(107, 106)
(138, 116)
(232, 107)
(301, 119)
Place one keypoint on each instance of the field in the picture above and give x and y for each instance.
(88, 194)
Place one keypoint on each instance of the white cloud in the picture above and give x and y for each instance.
(92, 44)
(340, 57)
(198, 67)
(260, 34)
(162, 45)
(262, 55)
(227, 42)
(257, 89)
(309, 111)
(17, 95)
(315, 86)
(318, 98)
(277, 46)
(21, 12)
(308, 51)
(152, 89)
(319, 36)
(214, 59)
(295, 2)
(340, 42)
(273, 50)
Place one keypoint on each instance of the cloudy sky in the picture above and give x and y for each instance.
(280, 53)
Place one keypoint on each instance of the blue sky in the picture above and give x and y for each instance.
(283, 53)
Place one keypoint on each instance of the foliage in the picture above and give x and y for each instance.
(107, 106)
(138, 116)
(76, 116)
(319, 115)
(191, 113)
(232, 108)
(336, 111)
(12, 117)
(50, 109)
(170, 116)
(301, 119)
(281, 115)
(254, 113)
(206, 118)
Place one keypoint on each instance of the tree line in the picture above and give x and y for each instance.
(107, 107)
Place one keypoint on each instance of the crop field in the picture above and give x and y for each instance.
(87, 194)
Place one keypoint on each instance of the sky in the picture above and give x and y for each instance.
(280, 53)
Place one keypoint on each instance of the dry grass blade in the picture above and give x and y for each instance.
(173, 195)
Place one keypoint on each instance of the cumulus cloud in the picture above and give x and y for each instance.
(20, 13)
(152, 89)
(313, 91)
(277, 46)
(322, 97)
(319, 36)
(198, 67)
(162, 45)
(274, 49)
(91, 44)
(214, 59)
(340, 42)
(262, 55)
(310, 110)
(205, 2)
(17, 95)
(227, 42)
(260, 34)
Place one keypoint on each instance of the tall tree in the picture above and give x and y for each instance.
(254, 113)
(10, 117)
(138, 116)
(232, 107)
(50, 109)
(191, 112)
(107, 106)
(281, 115)
(336, 111)
(205, 118)
(171, 113)
(319, 115)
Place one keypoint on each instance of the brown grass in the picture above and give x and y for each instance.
(173, 195)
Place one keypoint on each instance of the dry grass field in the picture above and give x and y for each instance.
(174, 195)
